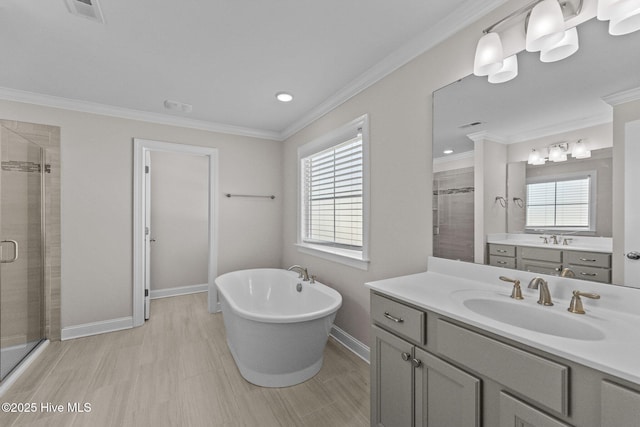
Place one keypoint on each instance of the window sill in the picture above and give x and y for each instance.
(342, 256)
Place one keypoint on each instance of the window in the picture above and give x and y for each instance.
(564, 203)
(333, 196)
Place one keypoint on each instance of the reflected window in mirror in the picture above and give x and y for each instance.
(561, 203)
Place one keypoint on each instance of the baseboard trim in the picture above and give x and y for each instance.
(180, 290)
(22, 367)
(95, 328)
(352, 344)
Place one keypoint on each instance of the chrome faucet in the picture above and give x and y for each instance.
(545, 295)
(567, 272)
(301, 271)
(554, 239)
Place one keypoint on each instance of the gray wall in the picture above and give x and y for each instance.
(97, 204)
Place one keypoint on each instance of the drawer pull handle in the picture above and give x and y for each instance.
(393, 318)
(416, 363)
(582, 273)
(587, 260)
(406, 356)
(502, 251)
(502, 262)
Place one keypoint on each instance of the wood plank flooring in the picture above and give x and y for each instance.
(176, 370)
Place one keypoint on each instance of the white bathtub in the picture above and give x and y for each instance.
(276, 334)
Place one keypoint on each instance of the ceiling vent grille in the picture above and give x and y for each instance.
(89, 9)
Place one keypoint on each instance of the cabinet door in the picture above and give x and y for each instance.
(620, 406)
(445, 395)
(514, 413)
(391, 380)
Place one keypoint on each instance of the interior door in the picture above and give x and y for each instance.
(147, 234)
(632, 205)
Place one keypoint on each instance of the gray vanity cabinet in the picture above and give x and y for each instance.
(392, 376)
(514, 413)
(409, 386)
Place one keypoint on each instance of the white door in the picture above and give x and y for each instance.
(632, 205)
(147, 233)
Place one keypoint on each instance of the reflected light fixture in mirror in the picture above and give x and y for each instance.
(580, 150)
(558, 153)
(546, 26)
(535, 158)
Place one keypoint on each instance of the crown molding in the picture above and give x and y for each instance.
(9, 94)
(483, 135)
(562, 128)
(453, 157)
(469, 12)
(623, 97)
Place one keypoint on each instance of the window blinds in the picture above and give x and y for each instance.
(559, 203)
(332, 196)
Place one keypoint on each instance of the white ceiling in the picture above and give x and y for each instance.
(227, 58)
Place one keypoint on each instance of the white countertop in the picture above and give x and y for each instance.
(577, 243)
(616, 314)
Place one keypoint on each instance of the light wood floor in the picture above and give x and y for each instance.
(176, 370)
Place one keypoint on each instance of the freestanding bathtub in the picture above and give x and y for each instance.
(276, 334)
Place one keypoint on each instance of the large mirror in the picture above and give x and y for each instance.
(496, 185)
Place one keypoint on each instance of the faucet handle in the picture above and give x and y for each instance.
(516, 293)
(546, 239)
(576, 303)
(566, 240)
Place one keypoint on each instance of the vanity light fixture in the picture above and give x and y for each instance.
(284, 97)
(558, 152)
(580, 150)
(546, 26)
(545, 30)
(489, 55)
(535, 158)
(566, 47)
(509, 71)
(625, 17)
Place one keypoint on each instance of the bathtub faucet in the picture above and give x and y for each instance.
(301, 270)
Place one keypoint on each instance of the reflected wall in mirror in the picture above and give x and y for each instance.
(485, 187)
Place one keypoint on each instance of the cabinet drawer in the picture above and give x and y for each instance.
(539, 379)
(592, 259)
(540, 267)
(539, 254)
(502, 250)
(399, 318)
(502, 261)
(591, 273)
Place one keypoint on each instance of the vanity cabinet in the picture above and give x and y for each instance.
(593, 266)
(431, 370)
(411, 387)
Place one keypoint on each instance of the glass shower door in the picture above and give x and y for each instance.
(21, 255)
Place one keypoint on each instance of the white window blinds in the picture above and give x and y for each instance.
(562, 204)
(333, 196)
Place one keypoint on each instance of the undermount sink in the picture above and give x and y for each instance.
(537, 319)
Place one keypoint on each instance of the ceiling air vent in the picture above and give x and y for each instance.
(89, 9)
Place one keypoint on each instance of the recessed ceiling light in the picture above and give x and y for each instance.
(448, 151)
(284, 97)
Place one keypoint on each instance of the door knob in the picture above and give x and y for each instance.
(633, 255)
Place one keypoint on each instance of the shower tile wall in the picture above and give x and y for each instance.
(453, 193)
(48, 137)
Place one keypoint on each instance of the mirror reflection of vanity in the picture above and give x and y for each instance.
(512, 185)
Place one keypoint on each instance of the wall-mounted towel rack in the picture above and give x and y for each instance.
(250, 195)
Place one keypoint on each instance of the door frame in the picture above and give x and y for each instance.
(140, 148)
